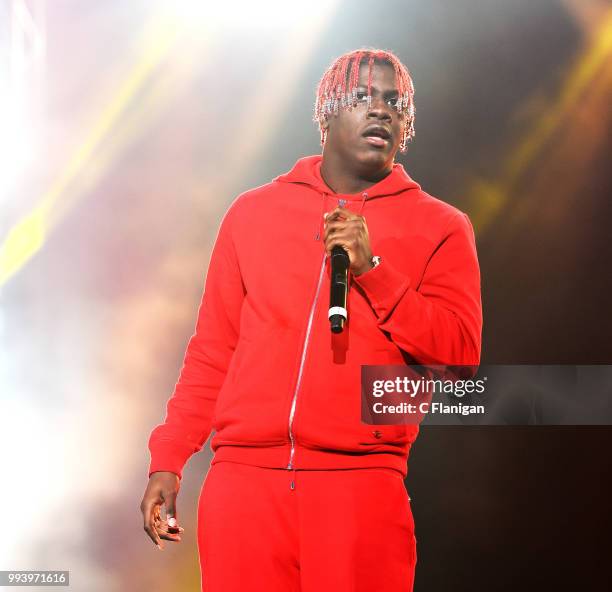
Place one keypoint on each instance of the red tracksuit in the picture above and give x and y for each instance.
(283, 393)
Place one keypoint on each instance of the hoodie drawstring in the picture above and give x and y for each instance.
(364, 196)
(320, 224)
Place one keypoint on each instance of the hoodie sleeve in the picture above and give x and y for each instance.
(440, 321)
(190, 409)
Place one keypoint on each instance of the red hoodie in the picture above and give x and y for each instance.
(263, 369)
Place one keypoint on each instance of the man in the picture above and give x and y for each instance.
(301, 495)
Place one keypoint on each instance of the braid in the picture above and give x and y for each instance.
(337, 88)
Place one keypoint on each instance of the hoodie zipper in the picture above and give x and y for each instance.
(341, 203)
(302, 361)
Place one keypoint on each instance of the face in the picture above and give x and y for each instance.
(368, 139)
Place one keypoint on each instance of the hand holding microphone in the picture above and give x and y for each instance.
(348, 244)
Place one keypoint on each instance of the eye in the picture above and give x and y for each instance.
(393, 101)
(361, 95)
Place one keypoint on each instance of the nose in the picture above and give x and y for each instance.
(379, 109)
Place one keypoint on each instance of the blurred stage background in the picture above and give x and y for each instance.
(127, 128)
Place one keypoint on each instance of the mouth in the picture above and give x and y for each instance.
(377, 135)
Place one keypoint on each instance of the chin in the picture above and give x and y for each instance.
(375, 160)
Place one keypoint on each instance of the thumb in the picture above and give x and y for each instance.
(171, 515)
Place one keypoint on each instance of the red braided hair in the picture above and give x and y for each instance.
(337, 88)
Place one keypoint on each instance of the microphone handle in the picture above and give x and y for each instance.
(340, 263)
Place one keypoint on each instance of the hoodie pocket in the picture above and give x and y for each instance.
(251, 406)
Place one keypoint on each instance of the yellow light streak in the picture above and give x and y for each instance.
(486, 198)
(27, 237)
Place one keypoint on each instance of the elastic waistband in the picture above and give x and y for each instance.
(277, 457)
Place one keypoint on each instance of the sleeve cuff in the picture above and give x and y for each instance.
(384, 286)
(168, 456)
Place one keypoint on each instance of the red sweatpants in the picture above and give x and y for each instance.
(276, 530)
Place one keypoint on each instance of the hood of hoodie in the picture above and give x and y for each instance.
(307, 172)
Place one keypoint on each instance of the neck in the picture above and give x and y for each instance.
(341, 180)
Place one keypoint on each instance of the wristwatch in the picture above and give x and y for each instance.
(375, 261)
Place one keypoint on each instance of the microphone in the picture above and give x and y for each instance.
(339, 287)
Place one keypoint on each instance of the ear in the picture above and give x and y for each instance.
(325, 122)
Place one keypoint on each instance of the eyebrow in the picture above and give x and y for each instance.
(374, 89)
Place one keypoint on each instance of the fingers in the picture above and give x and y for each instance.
(150, 509)
(163, 527)
(168, 533)
(353, 227)
(157, 494)
(352, 237)
(155, 527)
(169, 528)
(348, 230)
(340, 213)
(342, 240)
